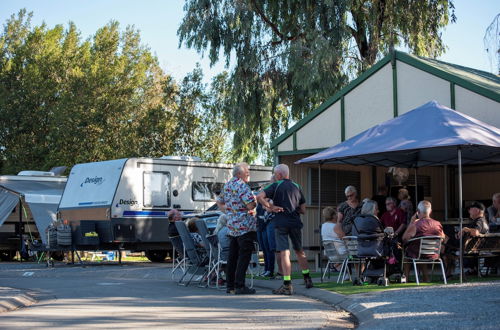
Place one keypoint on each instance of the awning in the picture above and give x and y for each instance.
(8, 202)
(41, 196)
(428, 135)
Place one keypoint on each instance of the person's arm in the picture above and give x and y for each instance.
(302, 203)
(471, 231)
(250, 206)
(220, 202)
(338, 230)
(410, 232)
(400, 229)
(262, 199)
(221, 205)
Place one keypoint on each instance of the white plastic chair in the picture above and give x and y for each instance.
(428, 245)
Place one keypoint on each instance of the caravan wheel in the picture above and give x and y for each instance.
(156, 255)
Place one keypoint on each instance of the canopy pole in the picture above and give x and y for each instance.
(460, 197)
(319, 223)
(445, 183)
(416, 189)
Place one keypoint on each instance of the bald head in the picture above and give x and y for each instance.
(281, 171)
(174, 215)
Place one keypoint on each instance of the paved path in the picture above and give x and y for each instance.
(143, 295)
(140, 296)
(467, 306)
(453, 306)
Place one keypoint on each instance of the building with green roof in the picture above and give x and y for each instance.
(396, 84)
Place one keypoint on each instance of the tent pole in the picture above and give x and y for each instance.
(445, 183)
(416, 189)
(319, 223)
(460, 197)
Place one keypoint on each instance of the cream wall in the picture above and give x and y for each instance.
(370, 103)
(286, 145)
(417, 87)
(477, 106)
(321, 132)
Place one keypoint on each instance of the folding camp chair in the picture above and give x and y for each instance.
(254, 266)
(211, 249)
(220, 262)
(179, 261)
(428, 245)
(196, 259)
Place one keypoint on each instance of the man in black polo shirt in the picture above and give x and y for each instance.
(478, 226)
(288, 204)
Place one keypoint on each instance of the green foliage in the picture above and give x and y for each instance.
(64, 100)
(289, 56)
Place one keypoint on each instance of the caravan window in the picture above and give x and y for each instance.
(205, 191)
(156, 189)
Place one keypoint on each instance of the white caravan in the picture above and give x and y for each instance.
(124, 203)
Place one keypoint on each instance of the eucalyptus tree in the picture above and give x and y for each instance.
(286, 57)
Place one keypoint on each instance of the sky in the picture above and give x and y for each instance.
(158, 21)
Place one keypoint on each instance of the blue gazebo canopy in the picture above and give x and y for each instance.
(426, 136)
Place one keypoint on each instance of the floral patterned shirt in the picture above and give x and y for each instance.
(236, 195)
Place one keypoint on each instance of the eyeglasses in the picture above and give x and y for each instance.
(349, 195)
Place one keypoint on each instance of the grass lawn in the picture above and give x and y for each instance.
(295, 276)
(347, 288)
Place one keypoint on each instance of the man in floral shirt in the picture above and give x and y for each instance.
(238, 202)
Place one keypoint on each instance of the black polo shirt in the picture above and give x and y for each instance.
(288, 195)
(480, 224)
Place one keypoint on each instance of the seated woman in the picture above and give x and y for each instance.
(222, 231)
(368, 226)
(405, 204)
(328, 232)
(367, 223)
(193, 231)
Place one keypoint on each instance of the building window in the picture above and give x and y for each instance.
(333, 183)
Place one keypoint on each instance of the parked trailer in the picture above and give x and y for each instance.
(123, 203)
(28, 204)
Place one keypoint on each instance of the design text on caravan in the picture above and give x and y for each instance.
(97, 180)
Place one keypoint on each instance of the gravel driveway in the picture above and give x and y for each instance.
(465, 306)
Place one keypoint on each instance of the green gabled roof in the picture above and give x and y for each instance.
(480, 82)
(477, 81)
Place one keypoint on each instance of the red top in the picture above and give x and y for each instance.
(393, 220)
(424, 227)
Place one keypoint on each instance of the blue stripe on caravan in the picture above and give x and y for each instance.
(144, 214)
(86, 203)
